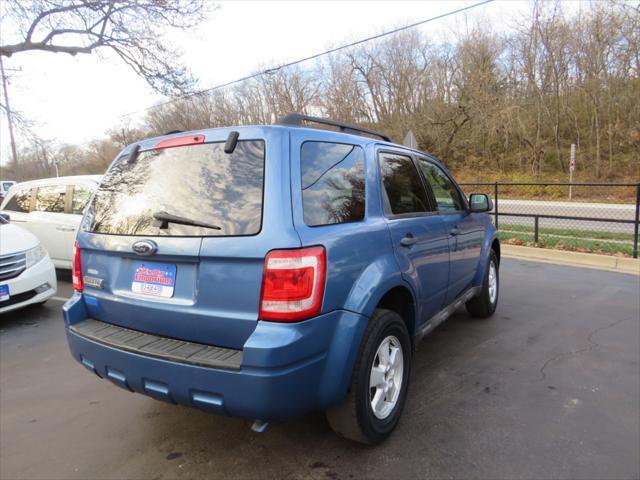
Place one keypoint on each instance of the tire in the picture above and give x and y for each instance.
(484, 304)
(355, 418)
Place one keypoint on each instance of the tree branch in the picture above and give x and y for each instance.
(45, 14)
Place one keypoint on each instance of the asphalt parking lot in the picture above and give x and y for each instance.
(547, 388)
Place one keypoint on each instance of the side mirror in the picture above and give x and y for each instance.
(480, 202)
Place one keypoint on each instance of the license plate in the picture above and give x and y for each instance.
(154, 279)
(4, 293)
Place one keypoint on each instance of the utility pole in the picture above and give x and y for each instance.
(9, 118)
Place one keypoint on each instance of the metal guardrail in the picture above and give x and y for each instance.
(601, 217)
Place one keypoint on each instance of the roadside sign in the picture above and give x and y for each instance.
(572, 168)
(572, 165)
(410, 140)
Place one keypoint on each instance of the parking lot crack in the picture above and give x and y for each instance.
(591, 345)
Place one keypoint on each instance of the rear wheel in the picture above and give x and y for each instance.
(379, 382)
(484, 304)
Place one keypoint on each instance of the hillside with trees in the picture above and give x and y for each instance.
(491, 105)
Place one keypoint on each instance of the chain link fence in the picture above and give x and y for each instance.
(585, 217)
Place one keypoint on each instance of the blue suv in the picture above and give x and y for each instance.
(262, 272)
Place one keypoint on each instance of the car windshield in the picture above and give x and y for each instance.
(200, 183)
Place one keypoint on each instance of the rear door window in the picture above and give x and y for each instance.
(333, 183)
(201, 183)
(402, 185)
(51, 198)
(446, 194)
(20, 201)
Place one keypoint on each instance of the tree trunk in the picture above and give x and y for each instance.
(12, 140)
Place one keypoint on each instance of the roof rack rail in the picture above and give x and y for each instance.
(297, 119)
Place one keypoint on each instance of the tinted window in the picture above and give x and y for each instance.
(446, 194)
(81, 196)
(402, 184)
(51, 198)
(7, 185)
(332, 183)
(196, 182)
(20, 201)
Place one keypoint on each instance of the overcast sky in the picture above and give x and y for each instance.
(76, 99)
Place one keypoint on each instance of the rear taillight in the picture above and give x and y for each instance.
(293, 284)
(76, 269)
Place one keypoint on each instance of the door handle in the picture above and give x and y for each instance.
(408, 240)
(454, 231)
(65, 229)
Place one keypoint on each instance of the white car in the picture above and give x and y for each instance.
(51, 209)
(27, 275)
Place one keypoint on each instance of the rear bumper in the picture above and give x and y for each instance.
(286, 370)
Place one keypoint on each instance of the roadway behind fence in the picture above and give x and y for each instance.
(586, 217)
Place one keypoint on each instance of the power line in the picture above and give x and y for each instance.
(311, 57)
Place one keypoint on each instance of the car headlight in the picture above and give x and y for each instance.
(35, 254)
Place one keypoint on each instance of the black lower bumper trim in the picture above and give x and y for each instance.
(18, 298)
(160, 347)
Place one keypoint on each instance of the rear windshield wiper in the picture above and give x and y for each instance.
(167, 218)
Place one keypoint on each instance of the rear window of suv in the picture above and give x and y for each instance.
(197, 182)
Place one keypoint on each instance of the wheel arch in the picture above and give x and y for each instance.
(381, 285)
(490, 243)
(495, 246)
(400, 300)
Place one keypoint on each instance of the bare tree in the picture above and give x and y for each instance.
(342, 97)
(132, 29)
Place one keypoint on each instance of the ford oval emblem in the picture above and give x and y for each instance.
(145, 247)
